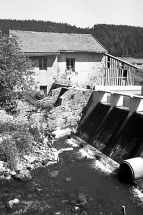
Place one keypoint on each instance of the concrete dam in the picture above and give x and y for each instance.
(114, 129)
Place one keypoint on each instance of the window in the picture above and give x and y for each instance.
(43, 89)
(43, 64)
(70, 64)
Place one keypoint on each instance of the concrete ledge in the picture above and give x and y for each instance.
(116, 100)
(136, 104)
(135, 90)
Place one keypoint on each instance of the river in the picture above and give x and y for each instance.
(73, 186)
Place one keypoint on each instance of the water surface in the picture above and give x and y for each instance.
(74, 185)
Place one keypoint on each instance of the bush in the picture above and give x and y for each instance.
(17, 140)
(9, 151)
(23, 141)
(6, 122)
(8, 103)
(32, 96)
(10, 126)
(34, 131)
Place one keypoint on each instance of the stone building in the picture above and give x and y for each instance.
(73, 60)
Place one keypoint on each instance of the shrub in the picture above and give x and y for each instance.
(23, 141)
(17, 140)
(7, 127)
(35, 132)
(32, 96)
(9, 151)
(8, 104)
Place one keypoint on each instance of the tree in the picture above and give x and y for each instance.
(16, 73)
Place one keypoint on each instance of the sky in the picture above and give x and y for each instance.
(81, 13)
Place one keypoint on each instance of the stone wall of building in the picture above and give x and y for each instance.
(45, 77)
(89, 69)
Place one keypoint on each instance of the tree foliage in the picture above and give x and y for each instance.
(119, 40)
(16, 72)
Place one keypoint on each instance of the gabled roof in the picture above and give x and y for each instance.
(45, 42)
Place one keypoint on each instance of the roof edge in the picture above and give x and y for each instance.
(116, 58)
(47, 32)
(102, 52)
(99, 43)
(41, 53)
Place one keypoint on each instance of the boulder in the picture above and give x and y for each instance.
(60, 133)
(29, 159)
(8, 177)
(13, 173)
(55, 156)
(45, 162)
(76, 209)
(11, 203)
(6, 173)
(2, 167)
(23, 175)
(30, 166)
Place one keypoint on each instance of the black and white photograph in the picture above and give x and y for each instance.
(71, 107)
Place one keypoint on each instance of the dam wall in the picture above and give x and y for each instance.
(134, 90)
(112, 127)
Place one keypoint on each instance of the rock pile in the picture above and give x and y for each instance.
(44, 105)
(66, 116)
(41, 156)
(69, 113)
(50, 100)
(18, 165)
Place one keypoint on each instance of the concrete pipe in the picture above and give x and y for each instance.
(131, 169)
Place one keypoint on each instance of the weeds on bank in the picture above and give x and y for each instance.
(17, 140)
(17, 137)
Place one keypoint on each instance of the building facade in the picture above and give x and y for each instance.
(72, 60)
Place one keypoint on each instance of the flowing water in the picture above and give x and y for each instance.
(103, 137)
(113, 132)
(129, 141)
(93, 121)
(77, 184)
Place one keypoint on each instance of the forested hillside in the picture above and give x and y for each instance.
(119, 40)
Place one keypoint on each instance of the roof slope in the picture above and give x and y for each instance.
(57, 42)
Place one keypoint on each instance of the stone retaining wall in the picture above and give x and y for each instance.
(68, 114)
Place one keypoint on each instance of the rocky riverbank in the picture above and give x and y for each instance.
(42, 155)
(23, 144)
(23, 147)
(69, 112)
